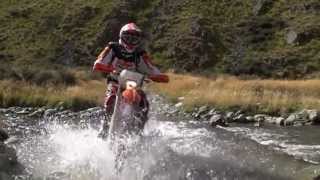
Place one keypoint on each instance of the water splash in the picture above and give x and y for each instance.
(61, 150)
(67, 152)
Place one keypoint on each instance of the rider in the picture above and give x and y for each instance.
(125, 54)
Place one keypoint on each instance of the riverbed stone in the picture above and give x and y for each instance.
(229, 116)
(203, 109)
(314, 116)
(37, 113)
(259, 117)
(3, 110)
(178, 105)
(270, 119)
(24, 111)
(49, 112)
(289, 121)
(3, 135)
(217, 119)
(279, 121)
(241, 118)
(200, 111)
(302, 117)
(249, 119)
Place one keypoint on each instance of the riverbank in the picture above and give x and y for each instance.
(274, 97)
(223, 93)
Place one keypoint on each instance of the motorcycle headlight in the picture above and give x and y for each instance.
(131, 84)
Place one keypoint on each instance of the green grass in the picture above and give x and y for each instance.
(52, 34)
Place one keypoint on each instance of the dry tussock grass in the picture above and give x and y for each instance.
(223, 92)
(84, 94)
(226, 92)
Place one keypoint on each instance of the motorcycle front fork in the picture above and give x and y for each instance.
(105, 123)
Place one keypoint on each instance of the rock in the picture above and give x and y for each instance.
(207, 115)
(259, 117)
(4, 111)
(302, 117)
(300, 37)
(172, 112)
(212, 112)
(203, 109)
(38, 113)
(289, 121)
(49, 112)
(262, 6)
(249, 119)
(270, 119)
(3, 135)
(241, 118)
(238, 113)
(279, 121)
(292, 37)
(15, 109)
(217, 120)
(229, 116)
(314, 116)
(178, 105)
(24, 111)
(94, 109)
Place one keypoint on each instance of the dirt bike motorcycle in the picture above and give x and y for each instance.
(131, 106)
(130, 113)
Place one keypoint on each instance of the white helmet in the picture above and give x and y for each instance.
(130, 37)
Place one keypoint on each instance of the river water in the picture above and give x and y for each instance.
(172, 148)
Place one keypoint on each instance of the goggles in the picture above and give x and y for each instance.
(131, 38)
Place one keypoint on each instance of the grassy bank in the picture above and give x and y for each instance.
(223, 92)
(263, 96)
(83, 95)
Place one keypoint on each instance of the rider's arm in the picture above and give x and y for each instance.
(146, 66)
(104, 61)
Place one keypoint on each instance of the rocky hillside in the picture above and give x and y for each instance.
(267, 38)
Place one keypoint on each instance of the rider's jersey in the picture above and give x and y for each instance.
(115, 58)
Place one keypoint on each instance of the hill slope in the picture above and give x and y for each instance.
(268, 38)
